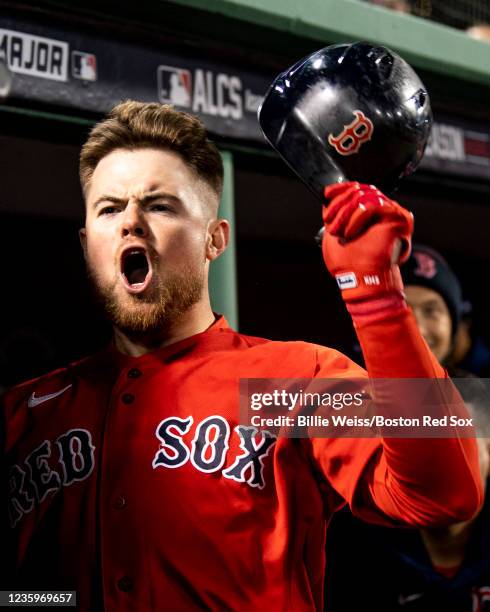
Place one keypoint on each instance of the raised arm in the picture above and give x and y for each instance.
(421, 481)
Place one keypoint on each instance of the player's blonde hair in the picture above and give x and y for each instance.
(132, 125)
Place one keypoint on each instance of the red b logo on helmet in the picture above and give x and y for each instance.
(353, 135)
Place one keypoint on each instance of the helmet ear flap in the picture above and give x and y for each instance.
(353, 112)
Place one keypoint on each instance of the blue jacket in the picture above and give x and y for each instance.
(389, 570)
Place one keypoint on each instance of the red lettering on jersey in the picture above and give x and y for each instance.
(351, 138)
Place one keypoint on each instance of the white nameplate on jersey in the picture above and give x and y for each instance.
(347, 280)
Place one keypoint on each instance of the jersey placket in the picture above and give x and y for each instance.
(124, 553)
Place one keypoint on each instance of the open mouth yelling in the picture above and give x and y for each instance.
(136, 269)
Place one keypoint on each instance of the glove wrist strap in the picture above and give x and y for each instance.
(377, 308)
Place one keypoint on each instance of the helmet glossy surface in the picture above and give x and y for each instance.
(348, 112)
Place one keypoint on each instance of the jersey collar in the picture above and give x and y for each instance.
(174, 351)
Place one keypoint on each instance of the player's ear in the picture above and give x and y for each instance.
(82, 235)
(217, 238)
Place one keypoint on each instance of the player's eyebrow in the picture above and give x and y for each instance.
(160, 195)
(108, 198)
(145, 199)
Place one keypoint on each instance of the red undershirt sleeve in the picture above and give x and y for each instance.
(415, 481)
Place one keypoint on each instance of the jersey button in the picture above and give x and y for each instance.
(119, 502)
(125, 584)
(134, 373)
(127, 398)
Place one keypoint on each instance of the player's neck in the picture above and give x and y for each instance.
(194, 321)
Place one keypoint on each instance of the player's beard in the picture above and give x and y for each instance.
(151, 315)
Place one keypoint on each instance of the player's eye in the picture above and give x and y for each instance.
(433, 312)
(160, 208)
(108, 210)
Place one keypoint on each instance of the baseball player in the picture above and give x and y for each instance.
(130, 478)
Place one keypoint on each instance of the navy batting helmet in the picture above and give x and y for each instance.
(353, 112)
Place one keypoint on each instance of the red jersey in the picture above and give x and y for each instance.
(132, 481)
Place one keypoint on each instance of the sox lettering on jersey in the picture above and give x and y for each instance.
(204, 442)
(211, 438)
(30, 482)
(173, 452)
(253, 457)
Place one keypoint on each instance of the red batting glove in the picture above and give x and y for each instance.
(366, 236)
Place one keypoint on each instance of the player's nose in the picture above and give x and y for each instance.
(134, 222)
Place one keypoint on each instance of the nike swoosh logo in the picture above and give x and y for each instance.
(35, 401)
(404, 599)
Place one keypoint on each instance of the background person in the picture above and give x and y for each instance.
(433, 293)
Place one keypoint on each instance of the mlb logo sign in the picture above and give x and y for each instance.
(174, 86)
(83, 66)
